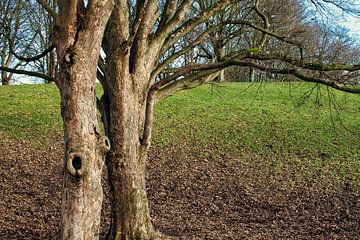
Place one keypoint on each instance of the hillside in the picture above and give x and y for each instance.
(229, 161)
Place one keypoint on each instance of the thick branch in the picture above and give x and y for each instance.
(204, 34)
(169, 12)
(192, 23)
(47, 8)
(32, 59)
(119, 20)
(295, 72)
(186, 83)
(201, 38)
(29, 73)
(195, 69)
(143, 20)
(149, 116)
(177, 17)
(305, 64)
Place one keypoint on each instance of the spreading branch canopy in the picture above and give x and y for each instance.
(182, 40)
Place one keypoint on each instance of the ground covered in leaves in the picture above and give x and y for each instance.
(193, 195)
(235, 161)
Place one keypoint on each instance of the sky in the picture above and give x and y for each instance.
(353, 24)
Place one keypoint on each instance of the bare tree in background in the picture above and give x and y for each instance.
(142, 43)
(25, 33)
(40, 25)
(10, 24)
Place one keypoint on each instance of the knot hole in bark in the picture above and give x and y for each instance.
(104, 143)
(76, 164)
(69, 56)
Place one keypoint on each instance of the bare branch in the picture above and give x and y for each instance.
(47, 8)
(192, 23)
(119, 20)
(169, 12)
(32, 59)
(184, 50)
(149, 117)
(305, 64)
(267, 31)
(188, 82)
(137, 23)
(266, 24)
(195, 69)
(165, 29)
(29, 73)
(295, 72)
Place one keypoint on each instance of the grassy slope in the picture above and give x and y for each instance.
(29, 112)
(268, 128)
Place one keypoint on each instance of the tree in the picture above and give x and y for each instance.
(25, 28)
(39, 25)
(142, 42)
(10, 22)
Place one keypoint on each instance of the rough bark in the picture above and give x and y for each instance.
(85, 148)
(132, 51)
(78, 44)
(127, 158)
(125, 89)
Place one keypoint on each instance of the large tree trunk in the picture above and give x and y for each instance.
(78, 38)
(85, 148)
(131, 218)
(127, 158)
(125, 88)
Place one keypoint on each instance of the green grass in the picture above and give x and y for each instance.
(276, 124)
(296, 131)
(29, 112)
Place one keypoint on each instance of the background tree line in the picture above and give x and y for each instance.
(26, 33)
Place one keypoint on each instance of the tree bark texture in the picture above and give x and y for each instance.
(127, 158)
(78, 39)
(85, 148)
(125, 96)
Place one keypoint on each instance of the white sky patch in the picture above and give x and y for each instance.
(353, 24)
